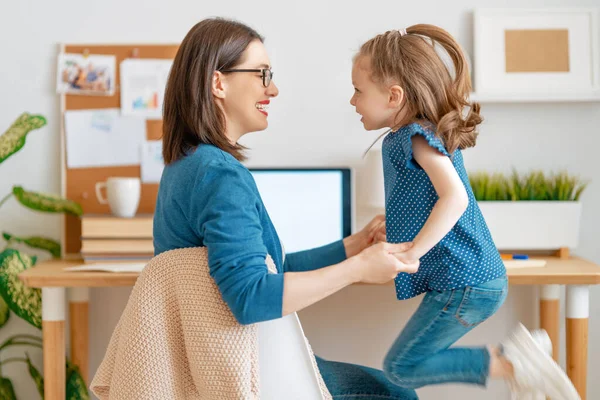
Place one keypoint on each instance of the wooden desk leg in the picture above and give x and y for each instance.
(53, 332)
(578, 308)
(549, 315)
(79, 329)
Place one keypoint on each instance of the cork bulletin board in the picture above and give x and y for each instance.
(78, 184)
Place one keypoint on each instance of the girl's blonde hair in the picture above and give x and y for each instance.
(408, 58)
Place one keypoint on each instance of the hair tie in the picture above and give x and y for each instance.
(402, 32)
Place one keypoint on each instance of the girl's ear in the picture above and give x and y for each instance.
(396, 96)
(218, 85)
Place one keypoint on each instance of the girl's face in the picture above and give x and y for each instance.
(243, 96)
(375, 103)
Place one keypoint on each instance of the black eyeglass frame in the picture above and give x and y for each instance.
(266, 77)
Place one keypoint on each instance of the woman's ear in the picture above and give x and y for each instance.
(218, 85)
(396, 96)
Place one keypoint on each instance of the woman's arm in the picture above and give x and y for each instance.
(227, 219)
(309, 260)
(377, 264)
(336, 252)
(452, 203)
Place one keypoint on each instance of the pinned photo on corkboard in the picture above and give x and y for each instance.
(86, 74)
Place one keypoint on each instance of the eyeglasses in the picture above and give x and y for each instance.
(266, 74)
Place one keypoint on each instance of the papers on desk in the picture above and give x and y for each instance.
(532, 262)
(115, 267)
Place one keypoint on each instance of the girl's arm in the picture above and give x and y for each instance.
(452, 203)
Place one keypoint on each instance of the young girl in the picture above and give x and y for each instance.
(402, 83)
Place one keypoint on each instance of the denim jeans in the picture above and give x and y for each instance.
(421, 355)
(355, 382)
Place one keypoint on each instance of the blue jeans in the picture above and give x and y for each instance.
(355, 382)
(421, 355)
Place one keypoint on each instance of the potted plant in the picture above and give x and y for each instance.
(23, 301)
(533, 211)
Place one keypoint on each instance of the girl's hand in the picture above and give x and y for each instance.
(372, 233)
(380, 263)
(407, 257)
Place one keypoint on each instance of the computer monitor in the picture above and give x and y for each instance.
(309, 207)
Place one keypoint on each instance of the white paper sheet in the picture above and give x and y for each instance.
(115, 267)
(152, 161)
(103, 138)
(143, 83)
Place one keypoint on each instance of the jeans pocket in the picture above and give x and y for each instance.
(479, 303)
(442, 297)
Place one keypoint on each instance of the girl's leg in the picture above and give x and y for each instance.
(356, 382)
(500, 367)
(421, 355)
(524, 360)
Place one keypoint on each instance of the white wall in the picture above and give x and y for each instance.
(310, 43)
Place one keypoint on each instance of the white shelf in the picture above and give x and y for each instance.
(536, 98)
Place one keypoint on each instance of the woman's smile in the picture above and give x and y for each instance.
(263, 106)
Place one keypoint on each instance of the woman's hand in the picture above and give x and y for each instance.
(381, 263)
(373, 232)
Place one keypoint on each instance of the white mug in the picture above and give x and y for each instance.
(122, 195)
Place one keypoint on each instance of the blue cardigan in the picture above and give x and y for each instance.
(208, 198)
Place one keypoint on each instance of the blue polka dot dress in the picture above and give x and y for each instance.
(467, 255)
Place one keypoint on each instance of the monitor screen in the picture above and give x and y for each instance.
(309, 207)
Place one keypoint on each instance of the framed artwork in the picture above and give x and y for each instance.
(536, 51)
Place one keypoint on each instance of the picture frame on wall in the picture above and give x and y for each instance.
(536, 51)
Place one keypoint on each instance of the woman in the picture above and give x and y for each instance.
(218, 90)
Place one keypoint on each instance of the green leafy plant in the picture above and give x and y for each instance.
(23, 301)
(534, 185)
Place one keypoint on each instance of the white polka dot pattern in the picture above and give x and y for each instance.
(467, 255)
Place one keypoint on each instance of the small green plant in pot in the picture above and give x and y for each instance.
(531, 211)
(532, 186)
(23, 301)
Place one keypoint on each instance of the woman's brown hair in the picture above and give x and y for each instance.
(190, 115)
(410, 60)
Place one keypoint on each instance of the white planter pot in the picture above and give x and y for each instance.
(533, 225)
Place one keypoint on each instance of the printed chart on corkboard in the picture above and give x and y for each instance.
(79, 183)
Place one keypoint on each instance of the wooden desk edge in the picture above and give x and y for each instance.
(102, 280)
(54, 278)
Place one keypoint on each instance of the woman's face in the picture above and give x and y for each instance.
(245, 101)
